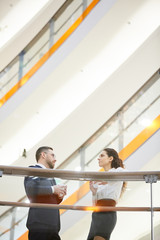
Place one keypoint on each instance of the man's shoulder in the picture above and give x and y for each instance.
(34, 166)
(31, 177)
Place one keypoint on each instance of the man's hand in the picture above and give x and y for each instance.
(60, 190)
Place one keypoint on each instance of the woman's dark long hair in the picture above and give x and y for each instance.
(116, 162)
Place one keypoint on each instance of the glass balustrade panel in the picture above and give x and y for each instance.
(67, 18)
(36, 49)
(9, 77)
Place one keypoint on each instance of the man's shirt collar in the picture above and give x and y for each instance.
(41, 165)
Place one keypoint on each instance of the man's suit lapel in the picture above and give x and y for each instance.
(52, 180)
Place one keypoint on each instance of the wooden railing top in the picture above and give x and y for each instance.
(81, 208)
(80, 175)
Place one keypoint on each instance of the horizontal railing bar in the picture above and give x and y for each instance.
(79, 175)
(81, 208)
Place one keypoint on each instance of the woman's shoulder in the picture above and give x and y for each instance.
(119, 169)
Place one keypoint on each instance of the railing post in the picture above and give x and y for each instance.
(21, 58)
(13, 224)
(84, 5)
(82, 160)
(151, 179)
(51, 34)
(121, 128)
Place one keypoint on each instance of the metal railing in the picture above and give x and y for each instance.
(147, 176)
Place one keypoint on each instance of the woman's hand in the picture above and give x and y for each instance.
(93, 187)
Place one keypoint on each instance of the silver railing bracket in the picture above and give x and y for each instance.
(151, 178)
(1, 173)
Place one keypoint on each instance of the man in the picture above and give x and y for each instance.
(43, 223)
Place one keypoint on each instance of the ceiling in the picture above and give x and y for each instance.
(105, 61)
(76, 89)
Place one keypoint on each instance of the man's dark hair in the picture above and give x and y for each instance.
(40, 150)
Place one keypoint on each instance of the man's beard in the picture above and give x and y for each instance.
(51, 166)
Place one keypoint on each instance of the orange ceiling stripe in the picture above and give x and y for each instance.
(140, 139)
(46, 56)
(24, 236)
(8, 94)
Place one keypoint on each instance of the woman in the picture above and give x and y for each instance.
(106, 194)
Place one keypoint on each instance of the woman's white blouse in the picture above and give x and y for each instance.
(111, 190)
